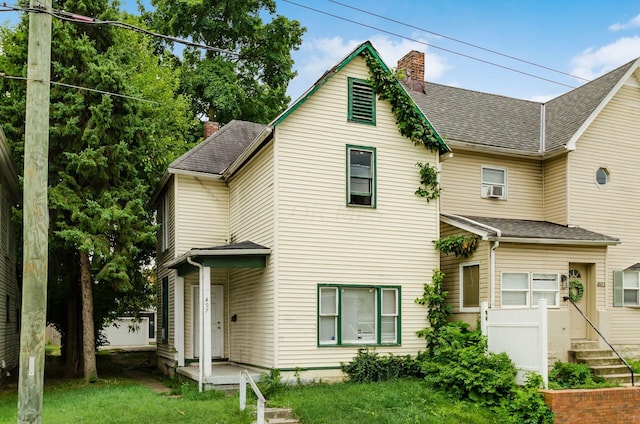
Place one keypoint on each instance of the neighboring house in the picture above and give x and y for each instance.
(10, 300)
(551, 190)
(127, 331)
(291, 245)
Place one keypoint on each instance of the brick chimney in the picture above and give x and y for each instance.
(210, 128)
(413, 65)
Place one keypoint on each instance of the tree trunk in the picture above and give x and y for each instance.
(72, 344)
(88, 339)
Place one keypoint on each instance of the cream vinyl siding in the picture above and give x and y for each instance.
(511, 257)
(203, 218)
(166, 349)
(461, 183)
(555, 190)
(450, 265)
(612, 142)
(321, 240)
(252, 291)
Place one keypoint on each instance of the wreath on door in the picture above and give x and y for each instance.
(576, 290)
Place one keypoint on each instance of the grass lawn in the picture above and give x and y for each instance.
(117, 400)
(392, 402)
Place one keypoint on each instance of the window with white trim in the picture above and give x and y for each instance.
(356, 315)
(494, 182)
(361, 176)
(469, 287)
(626, 288)
(525, 289)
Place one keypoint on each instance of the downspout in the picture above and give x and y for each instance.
(492, 269)
(200, 336)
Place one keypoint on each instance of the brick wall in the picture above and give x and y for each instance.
(613, 405)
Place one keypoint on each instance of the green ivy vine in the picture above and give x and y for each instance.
(459, 245)
(409, 120)
(429, 180)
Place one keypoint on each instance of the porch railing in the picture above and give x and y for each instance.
(244, 379)
(626, 364)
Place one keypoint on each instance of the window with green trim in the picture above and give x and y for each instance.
(357, 315)
(165, 310)
(361, 176)
(362, 102)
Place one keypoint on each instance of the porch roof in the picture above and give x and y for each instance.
(527, 231)
(246, 254)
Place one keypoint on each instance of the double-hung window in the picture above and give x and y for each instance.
(361, 176)
(626, 288)
(494, 182)
(523, 289)
(362, 102)
(356, 315)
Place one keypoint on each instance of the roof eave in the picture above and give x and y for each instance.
(182, 259)
(247, 153)
(572, 242)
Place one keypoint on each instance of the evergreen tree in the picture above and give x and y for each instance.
(106, 155)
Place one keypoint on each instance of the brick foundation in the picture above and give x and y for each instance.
(612, 405)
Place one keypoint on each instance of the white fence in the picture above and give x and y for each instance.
(522, 334)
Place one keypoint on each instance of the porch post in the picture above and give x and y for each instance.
(178, 319)
(205, 340)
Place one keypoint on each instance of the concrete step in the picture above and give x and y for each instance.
(604, 370)
(270, 413)
(599, 360)
(585, 344)
(622, 379)
(589, 353)
(283, 421)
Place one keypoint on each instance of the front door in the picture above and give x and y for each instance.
(217, 327)
(579, 272)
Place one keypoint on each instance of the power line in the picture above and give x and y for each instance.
(431, 45)
(459, 41)
(124, 96)
(74, 17)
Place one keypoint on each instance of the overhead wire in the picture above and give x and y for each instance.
(94, 90)
(460, 41)
(430, 45)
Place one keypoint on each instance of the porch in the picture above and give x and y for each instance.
(224, 375)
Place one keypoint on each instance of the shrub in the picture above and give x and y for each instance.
(569, 375)
(271, 383)
(470, 372)
(368, 366)
(526, 404)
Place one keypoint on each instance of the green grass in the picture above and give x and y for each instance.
(393, 402)
(122, 401)
(117, 401)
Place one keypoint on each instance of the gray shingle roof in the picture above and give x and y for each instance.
(528, 229)
(219, 150)
(489, 120)
(468, 116)
(243, 245)
(565, 114)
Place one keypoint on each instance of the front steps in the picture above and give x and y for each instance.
(603, 362)
(279, 416)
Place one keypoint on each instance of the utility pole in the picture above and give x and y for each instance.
(36, 216)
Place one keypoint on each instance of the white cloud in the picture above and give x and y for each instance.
(593, 63)
(319, 54)
(543, 98)
(632, 23)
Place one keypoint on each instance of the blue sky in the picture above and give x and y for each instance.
(583, 38)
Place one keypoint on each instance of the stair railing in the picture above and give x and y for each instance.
(244, 379)
(626, 364)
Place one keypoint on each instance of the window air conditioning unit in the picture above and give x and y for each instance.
(495, 191)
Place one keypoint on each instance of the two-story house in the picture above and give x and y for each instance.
(10, 299)
(550, 191)
(290, 245)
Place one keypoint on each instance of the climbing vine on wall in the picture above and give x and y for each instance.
(409, 120)
(459, 245)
